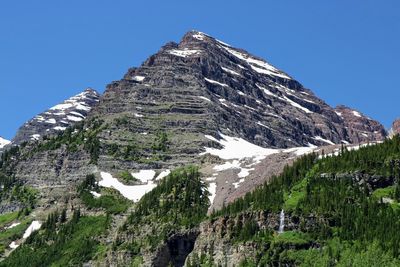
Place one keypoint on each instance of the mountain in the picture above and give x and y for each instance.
(3, 142)
(192, 158)
(58, 118)
(203, 86)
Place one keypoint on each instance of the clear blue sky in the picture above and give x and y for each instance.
(347, 52)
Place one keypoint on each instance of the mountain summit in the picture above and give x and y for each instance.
(204, 86)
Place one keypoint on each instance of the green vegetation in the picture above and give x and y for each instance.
(351, 225)
(178, 203)
(127, 177)
(61, 244)
(7, 235)
(180, 198)
(75, 137)
(110, 200)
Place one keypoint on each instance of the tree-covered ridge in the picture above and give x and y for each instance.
(270, 196)
(357, 216)
(110, 200)
(61, 243)
(180, 198)
(179, 203)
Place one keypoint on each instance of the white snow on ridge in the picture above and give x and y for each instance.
(35, 137)
(291, 102)
(284, 98)
(183, 53)
(76, 101)
(59, 128)
(63, 106)
(230, 71)
(215, 82)
(74, 113)
(133, 192)
(163, 174)
(35, 225)
(3, 142)
(357, 114)
(73, 118)
(199, 36)
(51, 121)
(319, 138)
(144, 175)
(204, 98)
(237, 148)
(266, 91)
(138, 78)
(259, 66)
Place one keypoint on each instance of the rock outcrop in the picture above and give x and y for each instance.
(395, 127)
(360, 127)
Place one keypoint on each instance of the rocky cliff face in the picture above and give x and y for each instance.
(360, 127)
(204, 86)
(215, 242)
(58, 118)
(395, 127)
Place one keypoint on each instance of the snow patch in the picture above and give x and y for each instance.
(204, 98)
(163, 174)
(35, 225)
(3, 142)
(144, 175)
(138, 78)
(51, 121)
(357, 114)
(95, 194)
(183, 53)
(215, 82)
(237, 148)
(230, 71)
(319, 138)
(73, 118)
(212, 189)
(59, 128)
(13, 225)
(284, 98)
(259, 66)
(13, 245)
(134, 192)
(35, 137)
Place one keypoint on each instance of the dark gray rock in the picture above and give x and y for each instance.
(360, 128)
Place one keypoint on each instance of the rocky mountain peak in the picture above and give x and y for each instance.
(203, 86)
(58, 117)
